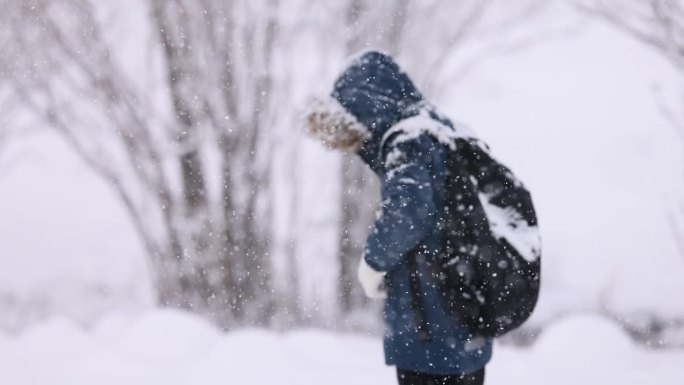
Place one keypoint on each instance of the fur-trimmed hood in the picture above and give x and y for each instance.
(335, 127)
(374, 94)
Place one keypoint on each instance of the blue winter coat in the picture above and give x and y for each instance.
(413, 177)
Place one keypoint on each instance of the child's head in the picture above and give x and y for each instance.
(368, 97)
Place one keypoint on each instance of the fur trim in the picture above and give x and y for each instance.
(330, 123)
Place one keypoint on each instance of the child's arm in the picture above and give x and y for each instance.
(408, 208)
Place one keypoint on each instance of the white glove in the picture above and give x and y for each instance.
(372, 281)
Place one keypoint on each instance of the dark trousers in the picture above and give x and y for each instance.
(407, 377)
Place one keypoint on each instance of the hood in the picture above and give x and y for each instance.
(370, 96)
(375, 91)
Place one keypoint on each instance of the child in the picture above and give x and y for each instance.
(370, 100)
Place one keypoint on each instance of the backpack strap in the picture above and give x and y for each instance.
(416, 294)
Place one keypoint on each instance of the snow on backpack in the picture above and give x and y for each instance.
(489, 270)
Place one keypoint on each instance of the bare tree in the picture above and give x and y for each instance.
(212, 261)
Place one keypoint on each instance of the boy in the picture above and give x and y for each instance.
(376, 112)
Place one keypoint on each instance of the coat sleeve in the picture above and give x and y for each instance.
(408, 208)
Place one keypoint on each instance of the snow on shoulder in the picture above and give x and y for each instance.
(423, 123)
(505, 222)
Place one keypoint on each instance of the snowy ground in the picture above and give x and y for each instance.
(168, 347)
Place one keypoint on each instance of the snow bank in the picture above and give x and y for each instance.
(586, 349)
(168, 336)
(68, 246)
(173, 347)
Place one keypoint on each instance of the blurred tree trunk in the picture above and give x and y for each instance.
(172, 23)
(239, 257)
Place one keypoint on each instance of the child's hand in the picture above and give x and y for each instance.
(372, 281)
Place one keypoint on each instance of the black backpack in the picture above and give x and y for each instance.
(489, 272)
